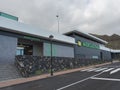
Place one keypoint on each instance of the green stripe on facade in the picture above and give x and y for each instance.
(32, 38)
(8, 16)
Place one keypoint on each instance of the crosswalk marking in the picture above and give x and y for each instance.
(107, 70)
(86, 69)
(100, 69)
(94, 69)
(114, 71)
(91, 69)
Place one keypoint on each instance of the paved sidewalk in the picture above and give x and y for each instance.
(24, 80)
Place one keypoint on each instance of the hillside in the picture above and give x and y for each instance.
(113, 40)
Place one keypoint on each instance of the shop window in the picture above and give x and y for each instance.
(24, 49)
(20, 51)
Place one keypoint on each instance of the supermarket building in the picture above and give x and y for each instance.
(21, 39)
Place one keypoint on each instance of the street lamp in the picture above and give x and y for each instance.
(111, 56)
(58, 21)
(51, 71)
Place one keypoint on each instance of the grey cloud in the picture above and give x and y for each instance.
(92, 16)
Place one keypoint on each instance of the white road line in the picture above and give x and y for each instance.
(105, 79)
(114, 71)
(94, 69)
(100, 69)
(73, 84)
(78, 82)
(108, 70)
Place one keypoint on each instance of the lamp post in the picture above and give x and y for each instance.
(58, 21)
(51, 67)
(111, 56)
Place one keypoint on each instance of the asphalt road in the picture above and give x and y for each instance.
(100, 78)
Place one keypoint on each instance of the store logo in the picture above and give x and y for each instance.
(87, 44)
(79, 43)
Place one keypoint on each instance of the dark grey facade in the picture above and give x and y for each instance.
(85, 52)
(116, 55)
(88, 52)
(7, 49)
(105, 55)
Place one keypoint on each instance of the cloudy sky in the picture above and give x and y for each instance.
(92, 16)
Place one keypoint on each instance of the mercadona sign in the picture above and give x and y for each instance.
(86, 44)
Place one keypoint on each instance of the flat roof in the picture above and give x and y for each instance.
(86, 35)
(102, 47)
(20, 28)
(115, 51)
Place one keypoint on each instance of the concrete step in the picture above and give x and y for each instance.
(8, 71)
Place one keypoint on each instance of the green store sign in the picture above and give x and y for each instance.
(86, 44)
(31, 38)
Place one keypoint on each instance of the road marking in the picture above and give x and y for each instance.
(108, 70)
(94, 69)
(105, 79)
(86, 69)
(114, 71)
(78, 82)
(100, 69)
(73, 84)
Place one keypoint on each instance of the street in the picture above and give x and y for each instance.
(106, 77)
